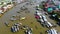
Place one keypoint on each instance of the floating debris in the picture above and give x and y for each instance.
(20, 23)
(6, 23)
(14, 16)
(25, 27)
(12, 19)
(18, 12)
(17, 24)
(22, 18)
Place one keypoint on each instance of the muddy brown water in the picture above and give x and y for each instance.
(29, 18)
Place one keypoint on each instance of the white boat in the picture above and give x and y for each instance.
(38, 13)
(52, 31)
(49, 24)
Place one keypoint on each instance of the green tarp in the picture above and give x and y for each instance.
(59, 6)
(50, 9)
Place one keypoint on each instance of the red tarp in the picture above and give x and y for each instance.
(37, 17)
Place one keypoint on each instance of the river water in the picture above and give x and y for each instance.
(29, 18)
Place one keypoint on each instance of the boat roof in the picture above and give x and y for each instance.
(49, 24)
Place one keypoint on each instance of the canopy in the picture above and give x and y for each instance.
(50, 9)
